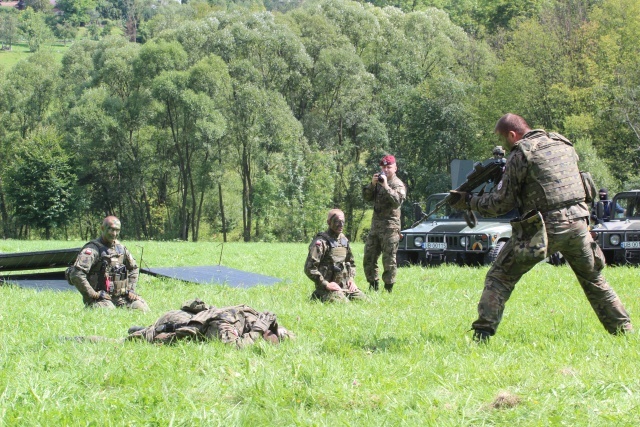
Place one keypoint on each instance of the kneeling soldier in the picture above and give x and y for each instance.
(105, 272)
(330, 263)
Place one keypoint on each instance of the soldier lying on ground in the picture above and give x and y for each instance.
(240, 325)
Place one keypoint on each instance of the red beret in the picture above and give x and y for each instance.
(387, 160)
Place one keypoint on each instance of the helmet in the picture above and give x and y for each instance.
(498, 151)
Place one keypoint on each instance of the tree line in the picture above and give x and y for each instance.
(248, 121)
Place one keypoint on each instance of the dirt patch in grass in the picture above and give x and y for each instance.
(505, 400)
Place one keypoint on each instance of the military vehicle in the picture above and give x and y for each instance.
(444, 236)
(617, 228)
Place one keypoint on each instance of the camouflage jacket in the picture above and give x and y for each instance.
(231, 325)
(509, 192)
(330, 260)
(88, 271)
(386, 202)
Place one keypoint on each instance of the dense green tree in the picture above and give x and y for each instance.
(28, 93)
(40, 183)
(77, 11)
(33, 27)
(8, 27)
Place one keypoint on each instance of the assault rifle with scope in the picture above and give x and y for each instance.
(482, 174)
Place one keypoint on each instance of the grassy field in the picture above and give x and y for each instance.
(20, 51)
(404, 359)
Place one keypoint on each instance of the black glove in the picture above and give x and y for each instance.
(460, 200)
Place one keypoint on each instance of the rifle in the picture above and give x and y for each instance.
(481, 174)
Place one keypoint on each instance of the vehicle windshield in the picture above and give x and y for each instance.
(447, 212)
(626, 206)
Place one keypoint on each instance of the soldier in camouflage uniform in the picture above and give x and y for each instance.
(240, 325)
(387, 193)
(330, 263)
(542, 180)
(105, 272)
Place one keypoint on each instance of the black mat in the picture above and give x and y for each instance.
(208, 274)
(52, 281)
(217, 274)
(38, 259)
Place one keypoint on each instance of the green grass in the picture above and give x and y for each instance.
(402, 359)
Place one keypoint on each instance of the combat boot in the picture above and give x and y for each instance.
(388, 287)
(373, 286)
(480, 336)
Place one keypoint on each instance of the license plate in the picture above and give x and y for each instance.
(434, 245)
(630, 245)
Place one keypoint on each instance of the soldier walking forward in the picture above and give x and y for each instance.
(542, 180)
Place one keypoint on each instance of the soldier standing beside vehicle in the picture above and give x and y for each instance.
(542, 180)
(603, 194)
(105, 272)
(387, 193)
(330, 263)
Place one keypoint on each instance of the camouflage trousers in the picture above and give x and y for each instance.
(118, 302)
(584, 256)
(381, 241)
(338, 296)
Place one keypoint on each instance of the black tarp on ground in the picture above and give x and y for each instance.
(38, 260)
(205, 275)
(217, 274)
(41, 260)
(52, 281)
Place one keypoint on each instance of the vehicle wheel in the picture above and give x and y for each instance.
(493, 253)
(402, 260)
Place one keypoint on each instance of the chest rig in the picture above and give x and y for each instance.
(333, 266)
(110, 273)
(553, 179)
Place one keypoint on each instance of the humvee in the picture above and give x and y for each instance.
(617, 228)
(445, 237)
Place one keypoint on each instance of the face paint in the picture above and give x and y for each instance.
(336, 223)
(110, 231)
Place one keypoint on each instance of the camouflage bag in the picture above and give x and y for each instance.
(530, 237)
(67, 275)
(589, 187)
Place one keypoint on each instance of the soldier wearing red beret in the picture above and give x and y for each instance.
(387, 193)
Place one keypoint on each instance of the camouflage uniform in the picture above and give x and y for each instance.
(384, 234)
(240, 325)
(330, 260)
(110, 269)
(542, 175)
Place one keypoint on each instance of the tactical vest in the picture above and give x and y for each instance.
(553, 179)
(332, 265)
(110, 273)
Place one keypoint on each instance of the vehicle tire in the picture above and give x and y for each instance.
(402, 259)
(493, 253)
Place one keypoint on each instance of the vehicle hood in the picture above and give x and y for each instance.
(623, 225)
(455, 226)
